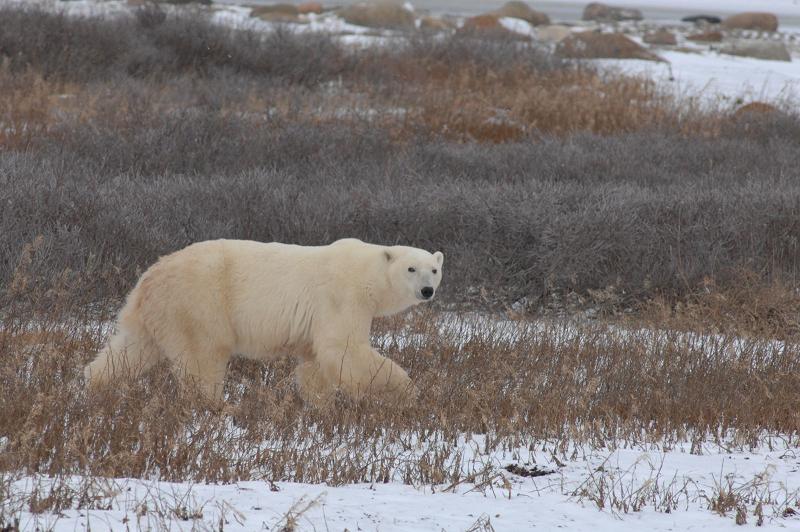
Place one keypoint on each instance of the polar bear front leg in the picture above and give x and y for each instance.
(314, 388)
(359, 370)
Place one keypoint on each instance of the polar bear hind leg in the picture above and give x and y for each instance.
(128, 353)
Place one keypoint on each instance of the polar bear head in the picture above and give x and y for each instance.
(414, 275)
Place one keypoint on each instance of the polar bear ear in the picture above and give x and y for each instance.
(388, 255)
(439, 256)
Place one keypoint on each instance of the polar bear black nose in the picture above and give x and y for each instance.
(427, 292)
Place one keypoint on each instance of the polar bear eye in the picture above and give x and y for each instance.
(412, 269)
(434, 271)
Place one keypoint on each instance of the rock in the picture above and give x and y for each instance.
(702, 19)
(522, 11)
(595, 45)
(378, 14)
(182, 2)
(751, 21)
(310, 7)
(435, 24)
(276, 13)
(661, 37)
(706, 36)
(483, 23)
(605, 13)
(768, 50)
(554, 33)
(754, 109)
(283, 9)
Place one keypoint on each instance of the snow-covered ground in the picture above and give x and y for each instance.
(640, 489)
(719, 78)
(662, 486)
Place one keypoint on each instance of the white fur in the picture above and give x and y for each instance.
(201, 305)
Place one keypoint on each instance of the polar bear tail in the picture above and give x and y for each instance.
(128, 353)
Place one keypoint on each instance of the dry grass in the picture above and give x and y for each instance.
(745, 306)
(462, 102)
(516, 384)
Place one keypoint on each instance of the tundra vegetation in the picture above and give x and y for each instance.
(645, 247)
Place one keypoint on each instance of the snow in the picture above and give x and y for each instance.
(516, 25)
(702, 72)
(716, 77)
(509, 502)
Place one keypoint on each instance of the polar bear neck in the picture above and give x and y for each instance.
(383, 297)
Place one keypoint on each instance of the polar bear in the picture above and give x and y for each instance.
(199, 306)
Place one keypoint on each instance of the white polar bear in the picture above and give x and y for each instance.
(201, 305)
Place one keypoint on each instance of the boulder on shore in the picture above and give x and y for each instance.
(605, 13)
(384, 14)
(768, 50)
(554, 33)
(595, 45)
(706, 36)
(276, 13)
(754, 109)
(483, 23)
(751, 21)
(307, 8)
(522, 11)
(660, 37)
(435, 24)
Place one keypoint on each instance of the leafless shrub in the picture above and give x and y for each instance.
(741, 498)
(482, 524)
(550, 197)
(532, 221)
(292, 517)
(153, 44)
(622, 491)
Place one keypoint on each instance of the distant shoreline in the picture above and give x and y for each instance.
(570, 11)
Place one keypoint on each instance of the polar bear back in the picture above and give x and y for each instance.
(259, 299)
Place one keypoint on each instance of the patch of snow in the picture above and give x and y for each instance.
(675, 488)
(718, 77)
(517, 25)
